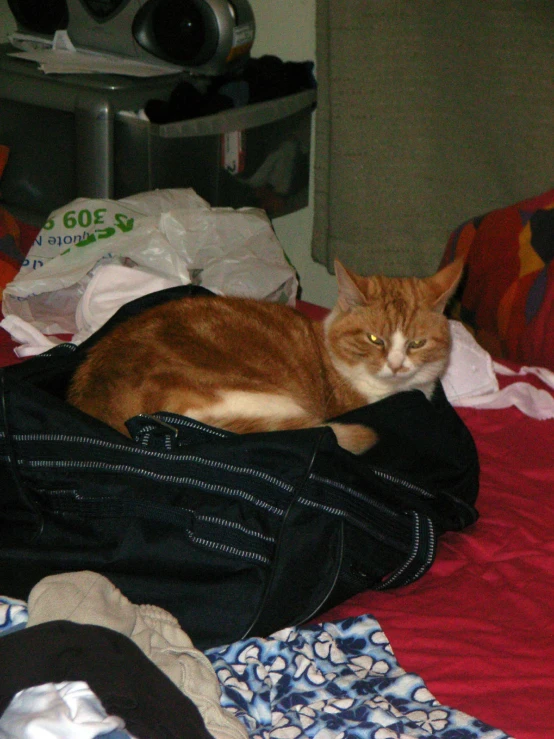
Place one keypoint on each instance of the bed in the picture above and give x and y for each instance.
(476, 632)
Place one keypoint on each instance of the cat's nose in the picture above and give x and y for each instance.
(396, 363)
(398, 370)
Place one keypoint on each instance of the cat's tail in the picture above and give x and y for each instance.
(354, 437)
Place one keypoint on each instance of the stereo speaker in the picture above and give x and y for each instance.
(205, 37)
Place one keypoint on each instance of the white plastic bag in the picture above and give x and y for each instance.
(173, 234)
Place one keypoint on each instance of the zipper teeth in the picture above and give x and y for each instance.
(408, 485)
(233, 492)
(227, 549)
(152, 426)
(427, 493)
(152, 508)
(416, 543)
(354, 493)
(203, 485)
(191, 423)
(210, 463)
(200, 540)
(55, 349)
(347, 517)
(411, 557)
(149, 453)
(233, 525)
(127, 469)
(322, 507)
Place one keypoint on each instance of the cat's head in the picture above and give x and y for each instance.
(387, 334)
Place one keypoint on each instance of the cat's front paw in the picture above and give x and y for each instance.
(354, 437)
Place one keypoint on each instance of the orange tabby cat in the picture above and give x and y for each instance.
(247, 365)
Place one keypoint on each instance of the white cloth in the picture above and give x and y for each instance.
(31, 340)
(470, 380)
(67, 710)
(470, 370)
(111, 286)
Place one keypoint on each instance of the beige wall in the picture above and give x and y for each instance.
(7, 24)
(285, 28)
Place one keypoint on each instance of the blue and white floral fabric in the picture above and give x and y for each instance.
(13, 614)
(338, 680)
(333, 681)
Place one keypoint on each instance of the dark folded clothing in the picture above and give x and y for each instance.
(127, 683)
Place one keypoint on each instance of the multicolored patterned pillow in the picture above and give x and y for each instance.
(11, 256)
(506, 298)
(15, 237)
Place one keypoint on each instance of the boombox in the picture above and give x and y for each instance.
(205, 37)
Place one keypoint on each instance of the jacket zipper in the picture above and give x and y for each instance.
(85, 440)
(173, 479)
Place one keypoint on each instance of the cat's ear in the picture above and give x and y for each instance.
(350, 294)
(443, 285)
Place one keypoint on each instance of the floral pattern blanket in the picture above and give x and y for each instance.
(337, 680)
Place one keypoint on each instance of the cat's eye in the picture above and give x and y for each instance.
(375, 340)
(417, 343)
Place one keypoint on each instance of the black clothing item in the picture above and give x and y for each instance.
(266, 78)
(269, 77)
(127, 683)
(234, 534)
(186, 102)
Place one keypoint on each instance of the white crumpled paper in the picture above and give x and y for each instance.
(172, 234)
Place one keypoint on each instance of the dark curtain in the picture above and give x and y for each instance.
(429, 113)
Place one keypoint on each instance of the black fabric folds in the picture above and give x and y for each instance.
(127, 683)
(235, 535)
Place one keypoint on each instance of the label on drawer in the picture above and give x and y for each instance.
(243, 38)
(233, 152)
